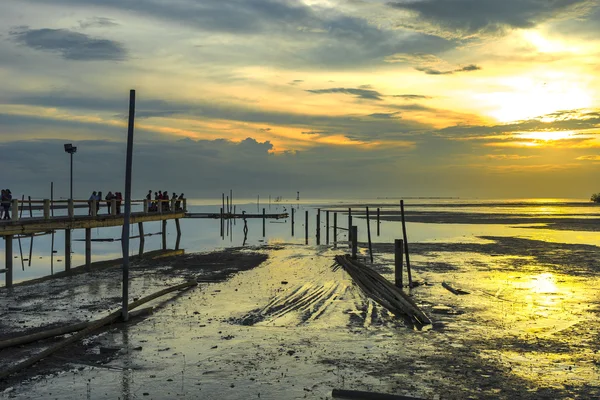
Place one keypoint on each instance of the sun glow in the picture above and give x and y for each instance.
(528, 97)
(546, 136)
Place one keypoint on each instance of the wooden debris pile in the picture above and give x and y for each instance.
(381, 290)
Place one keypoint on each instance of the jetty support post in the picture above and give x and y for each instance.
(398, 256)
(88, 247)
(354, 230)
(264, 223)
(335, 229)
(349, 227)
(369, 236)
(15, 210)
(178, 241)
(378, 222)
(8, 251)
(292, 221)
(46, 208)
(318, 226)
(142, 239)
(70, 208)
(223, 201)
(67, 250)
(327, 226)
(306, 227)
(164, 234)
(228, 209)
(405, 244)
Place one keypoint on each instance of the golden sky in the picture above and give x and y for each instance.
(474, 97)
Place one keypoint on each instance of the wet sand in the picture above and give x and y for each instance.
(286, 325)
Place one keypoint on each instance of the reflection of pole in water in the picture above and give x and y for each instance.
(127, 377)
(245, 228)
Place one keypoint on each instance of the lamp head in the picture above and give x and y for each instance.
(69, 148)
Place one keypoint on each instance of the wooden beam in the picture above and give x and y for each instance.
(8, 251)
(67, 250)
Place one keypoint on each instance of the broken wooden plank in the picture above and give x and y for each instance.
(456, 291)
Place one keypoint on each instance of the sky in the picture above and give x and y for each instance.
(332, 98)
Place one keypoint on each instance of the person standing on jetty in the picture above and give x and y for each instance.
(119, 198)
(108, 198)
(178, 202)
(90, 200)
(6, 200)
(98, 200)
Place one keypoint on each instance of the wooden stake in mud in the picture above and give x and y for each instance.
(398, 243)
(369, 235)
(8, 252)
(378, 222)
(354, 243)
(327, 226)
(349, 227)
(405, 243)
(292, 221)
(318, 226)
(264, 224)
(88, 247)
(335, 229)
(257, 203)
(178, 241)
(223, 205)
(222, 224)
(67, 250)
(164, 234)
(228, 211)
(306, 227)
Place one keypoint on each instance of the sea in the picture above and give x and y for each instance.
(464, 220)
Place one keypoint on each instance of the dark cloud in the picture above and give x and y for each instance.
(433, 71)
(295, 82)
(70, 45)
(384, 115)
(97, 22)
(314, 35)
(366, 94)
(412, 96)
(491, 16)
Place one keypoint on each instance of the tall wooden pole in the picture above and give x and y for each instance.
(405, 244)
(335, 229)
(350, 227)
(292, 221)
(318, 226)
(264, 224)
(354, 242)
(378, 223)
(127, 215)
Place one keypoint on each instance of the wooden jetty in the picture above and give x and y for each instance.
(234, 216)
(18, 225)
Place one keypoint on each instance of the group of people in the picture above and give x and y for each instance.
(161, 199)
(97, 196)
(6, 201)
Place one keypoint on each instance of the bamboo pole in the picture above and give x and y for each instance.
(327, 227)
(369, 235)
(378, 222)
(335, 229)
(410, 285)
(306, 227)
(354, 243)
(292, 221)
(318, 226)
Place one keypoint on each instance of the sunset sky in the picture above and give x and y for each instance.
(468, 98)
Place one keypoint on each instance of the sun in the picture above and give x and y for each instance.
(528, 97)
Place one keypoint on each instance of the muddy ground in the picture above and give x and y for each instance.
(285, 324)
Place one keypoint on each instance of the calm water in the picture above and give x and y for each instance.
(204, 234)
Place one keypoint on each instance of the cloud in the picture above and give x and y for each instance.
(295, 82)
(384, 115)
(589, 158)
(431, 71)
(507, 157)
(70, 45)
(97, 22)
(366, 94)
(469, 17)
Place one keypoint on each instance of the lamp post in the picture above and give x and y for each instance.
(69, 148)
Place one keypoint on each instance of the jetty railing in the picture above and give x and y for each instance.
(43, 209)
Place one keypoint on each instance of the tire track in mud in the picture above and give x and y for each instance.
(331, 304)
